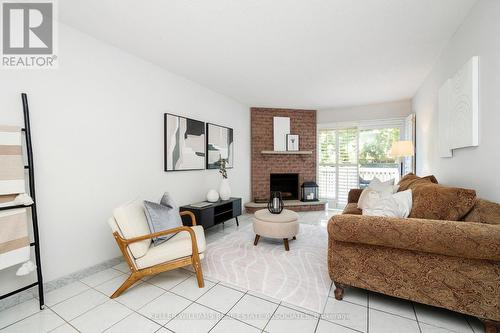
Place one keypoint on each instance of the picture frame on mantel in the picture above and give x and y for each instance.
(292, 142)
(184, 143)
(220, 144)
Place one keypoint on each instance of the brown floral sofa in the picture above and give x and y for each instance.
(453, 264)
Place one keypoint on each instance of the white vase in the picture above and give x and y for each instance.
(212, 196)
(224, 189)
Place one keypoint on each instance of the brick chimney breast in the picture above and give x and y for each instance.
(303, 123)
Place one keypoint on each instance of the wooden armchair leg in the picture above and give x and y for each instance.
(199, 273)
(133, 278)
(339, 290)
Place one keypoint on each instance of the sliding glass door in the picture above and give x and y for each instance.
(338, 164)
(351, 157)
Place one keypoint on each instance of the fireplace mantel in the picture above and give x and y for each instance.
(286, 152)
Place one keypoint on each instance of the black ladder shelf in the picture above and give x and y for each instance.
(31, 176)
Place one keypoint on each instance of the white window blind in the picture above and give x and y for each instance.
(347, 174)
(338, 165)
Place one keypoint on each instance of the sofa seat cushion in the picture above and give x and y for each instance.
(132, 222)
(176, 247)
(410, 181)
(484, 211)
(436, 202)
(352, 208)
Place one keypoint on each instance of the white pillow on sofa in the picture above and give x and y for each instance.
(390, 205)
(375, 190)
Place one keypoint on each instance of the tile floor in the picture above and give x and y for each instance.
(172, 302)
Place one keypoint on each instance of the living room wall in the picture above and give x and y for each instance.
(97, 124)
(376, 111)
(473, 167)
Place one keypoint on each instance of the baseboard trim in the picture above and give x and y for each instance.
(57, 283)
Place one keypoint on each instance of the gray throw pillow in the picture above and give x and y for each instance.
(167, 200)
(161, 218)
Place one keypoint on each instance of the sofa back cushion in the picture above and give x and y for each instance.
(484, 211)
(352, 208)
(132, 222)
(436, 202)
(410, 181)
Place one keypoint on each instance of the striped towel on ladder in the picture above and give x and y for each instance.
(14, 240)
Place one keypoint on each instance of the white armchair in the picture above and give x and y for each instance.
(132, 234)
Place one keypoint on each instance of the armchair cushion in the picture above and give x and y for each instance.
(131, 221)
(458, 239)
(177, 247)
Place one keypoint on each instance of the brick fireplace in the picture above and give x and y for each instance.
(303, 123)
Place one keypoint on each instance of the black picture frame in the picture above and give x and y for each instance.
(193, 126)
(210, 161)
(290, 137)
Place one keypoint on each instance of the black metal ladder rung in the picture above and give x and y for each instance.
(16, 207)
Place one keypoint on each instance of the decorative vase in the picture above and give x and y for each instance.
(224, 189)
(212, 196)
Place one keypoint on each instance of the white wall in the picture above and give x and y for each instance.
(476, 167)
(365, 112)
(97, 124)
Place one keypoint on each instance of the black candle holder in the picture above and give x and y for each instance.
(275, 204)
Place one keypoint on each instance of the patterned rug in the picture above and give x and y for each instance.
(299, 276)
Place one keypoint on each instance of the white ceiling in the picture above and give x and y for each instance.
(282, 53)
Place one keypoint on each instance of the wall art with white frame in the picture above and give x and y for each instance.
(281, 127)
(458, 109)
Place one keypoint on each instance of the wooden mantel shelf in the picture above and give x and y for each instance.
(274, 152)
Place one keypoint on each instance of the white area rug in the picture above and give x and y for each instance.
(299, 276)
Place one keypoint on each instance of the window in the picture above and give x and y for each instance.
(374, 158)
(351, 155)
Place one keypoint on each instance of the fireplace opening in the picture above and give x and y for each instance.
(287, 184)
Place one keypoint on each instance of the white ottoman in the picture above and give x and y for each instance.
(284, 225)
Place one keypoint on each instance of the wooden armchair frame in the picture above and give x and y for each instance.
(137, 274)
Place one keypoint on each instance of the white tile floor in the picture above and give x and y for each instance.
(172, 302)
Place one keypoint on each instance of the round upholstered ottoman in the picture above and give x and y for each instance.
(283, 226)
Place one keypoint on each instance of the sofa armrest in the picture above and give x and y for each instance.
(354, 195)
(458, 239)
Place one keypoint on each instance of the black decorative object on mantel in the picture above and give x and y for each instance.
(309, 191)
(275, 204)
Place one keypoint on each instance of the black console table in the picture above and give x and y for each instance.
(216, 213)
